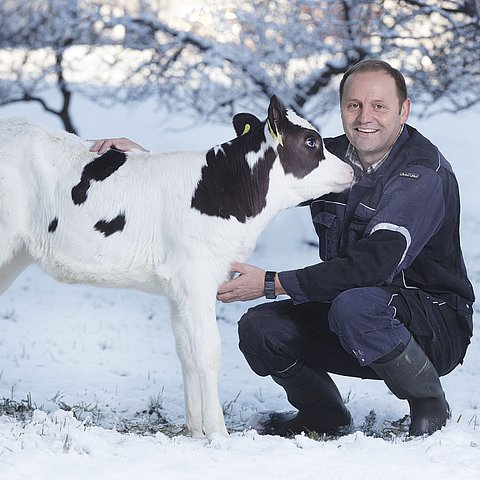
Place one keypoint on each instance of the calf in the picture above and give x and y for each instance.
(168, 223)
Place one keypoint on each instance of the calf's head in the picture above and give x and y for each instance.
(310, 169)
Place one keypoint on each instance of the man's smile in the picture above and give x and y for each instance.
(366, 130)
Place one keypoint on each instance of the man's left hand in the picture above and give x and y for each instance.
(248, 285)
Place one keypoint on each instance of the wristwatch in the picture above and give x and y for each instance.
(269, 285)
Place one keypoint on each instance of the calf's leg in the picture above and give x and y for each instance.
(199, 349)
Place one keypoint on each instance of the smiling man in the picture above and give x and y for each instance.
(391, 299)
(374, 111)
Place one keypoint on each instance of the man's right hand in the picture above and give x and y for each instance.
(124, 144)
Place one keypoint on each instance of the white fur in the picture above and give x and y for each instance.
(299, 121)
(166, 247)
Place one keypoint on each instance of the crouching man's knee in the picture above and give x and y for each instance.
(265, 338)
(364, 321)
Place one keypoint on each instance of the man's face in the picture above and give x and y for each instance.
(371, 114)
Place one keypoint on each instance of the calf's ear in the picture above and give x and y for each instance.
(276, 119)
(276, 114)
(244, 123)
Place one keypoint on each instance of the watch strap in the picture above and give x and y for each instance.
(269, 285)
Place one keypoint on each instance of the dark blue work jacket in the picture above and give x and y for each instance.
(398, 227)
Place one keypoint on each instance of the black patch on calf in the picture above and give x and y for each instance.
(98, 170)
(295, 156)
(53, 225)
(228, 186)
(109, 227)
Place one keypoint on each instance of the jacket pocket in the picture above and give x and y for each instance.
(327, 226)
(360, 221)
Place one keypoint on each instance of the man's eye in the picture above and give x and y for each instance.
(311, 142)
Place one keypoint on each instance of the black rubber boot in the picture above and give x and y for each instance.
(411, 376)
(319, 403)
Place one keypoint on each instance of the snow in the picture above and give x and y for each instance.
(110, 355)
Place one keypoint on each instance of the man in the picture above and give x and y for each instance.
(391, 299)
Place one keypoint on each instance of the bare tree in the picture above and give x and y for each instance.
(298, 48)
(107, 53)
(435, 43)
(35, 37)
(227, 57)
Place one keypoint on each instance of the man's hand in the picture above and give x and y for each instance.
(123, 144)
(248, 285)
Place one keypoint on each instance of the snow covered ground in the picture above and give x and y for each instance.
(109, 354)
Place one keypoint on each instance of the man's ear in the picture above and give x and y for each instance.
(244, 123)
(405, 110)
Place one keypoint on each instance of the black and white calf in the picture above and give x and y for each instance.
(168, 223)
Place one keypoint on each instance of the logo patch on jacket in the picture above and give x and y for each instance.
(410, 175)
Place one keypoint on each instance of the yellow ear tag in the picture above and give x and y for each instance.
(246, 129)
(270, 129)
(280, 141)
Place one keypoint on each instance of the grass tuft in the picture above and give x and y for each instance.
(21, 410)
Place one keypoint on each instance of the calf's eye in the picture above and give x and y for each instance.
(311, 142)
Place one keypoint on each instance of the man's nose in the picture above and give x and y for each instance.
(364, 115)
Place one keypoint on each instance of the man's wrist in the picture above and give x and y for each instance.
(269, 285)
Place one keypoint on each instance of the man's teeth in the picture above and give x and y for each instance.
(366, 130)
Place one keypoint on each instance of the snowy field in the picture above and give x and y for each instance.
(109, 356)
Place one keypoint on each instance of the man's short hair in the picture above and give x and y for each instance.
(376, 66)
